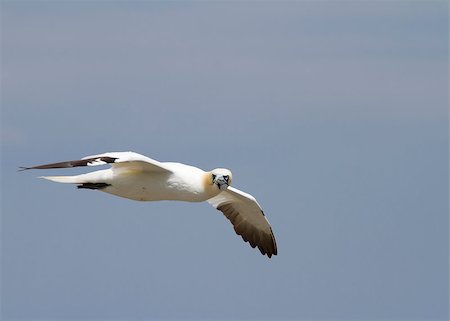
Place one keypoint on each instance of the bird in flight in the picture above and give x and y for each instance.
(141, 178)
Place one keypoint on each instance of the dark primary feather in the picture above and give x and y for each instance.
(264, 241)
(73, 163)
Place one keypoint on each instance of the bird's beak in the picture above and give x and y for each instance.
(221, 182)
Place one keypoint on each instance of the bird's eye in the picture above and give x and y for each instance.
(213, 177)
(226, 177)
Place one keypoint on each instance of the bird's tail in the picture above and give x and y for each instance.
(102, 176)
(63, 179)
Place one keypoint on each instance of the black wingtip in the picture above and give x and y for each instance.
(74, 163)
(93, 185)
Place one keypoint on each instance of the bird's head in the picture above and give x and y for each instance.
(221, 178)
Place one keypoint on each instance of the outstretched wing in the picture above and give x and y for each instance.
(119, 160)
(248, 219)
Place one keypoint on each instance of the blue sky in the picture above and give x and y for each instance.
(333, 114)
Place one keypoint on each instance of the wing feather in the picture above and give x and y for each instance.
(118, 160)
(247, 218)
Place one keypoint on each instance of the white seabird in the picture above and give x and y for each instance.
(141, 178)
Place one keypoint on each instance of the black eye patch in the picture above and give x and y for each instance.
(226, 177)
(213, 177)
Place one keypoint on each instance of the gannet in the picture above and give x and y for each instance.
(141, 178)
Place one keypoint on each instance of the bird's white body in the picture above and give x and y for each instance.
(183, 183)
(141, 178)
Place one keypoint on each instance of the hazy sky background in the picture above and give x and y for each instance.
(333, 114)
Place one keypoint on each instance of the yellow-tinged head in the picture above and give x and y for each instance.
(221, 177)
